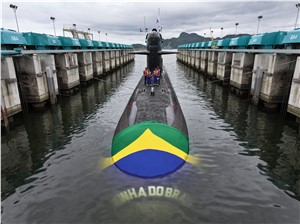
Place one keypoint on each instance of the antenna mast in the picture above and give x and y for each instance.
(159, 28)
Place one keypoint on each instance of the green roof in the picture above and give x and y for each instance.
(86, 43)
(11, 37)
(224, 43)
(204, 44)
(97, 44)
(240, 42)
(105, 44)
(267, 40)
(41, 41)
(68, 42)
(292, 37)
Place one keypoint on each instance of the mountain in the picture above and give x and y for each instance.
(139, 46)
(185, 38)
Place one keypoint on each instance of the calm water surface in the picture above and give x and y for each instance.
(248, 171)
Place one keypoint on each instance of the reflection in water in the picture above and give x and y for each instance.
(26, 148)
(249, 164)
(16, 161)
(275, 143)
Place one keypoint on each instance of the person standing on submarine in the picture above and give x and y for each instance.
(149, 77)
(145, 73)
(156, 76)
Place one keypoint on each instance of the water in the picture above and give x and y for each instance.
(249, 169)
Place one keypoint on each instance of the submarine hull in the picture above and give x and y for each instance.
(151, 138)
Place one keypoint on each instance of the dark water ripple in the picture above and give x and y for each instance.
(248, 170)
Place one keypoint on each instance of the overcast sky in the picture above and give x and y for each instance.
(122, 20)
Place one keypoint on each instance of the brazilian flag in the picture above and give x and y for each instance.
(150, 149)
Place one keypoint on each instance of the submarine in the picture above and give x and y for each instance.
(151, 137)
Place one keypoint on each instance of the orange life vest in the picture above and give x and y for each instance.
(145, 72)
(149, 74)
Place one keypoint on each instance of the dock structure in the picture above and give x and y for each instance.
(36, 67)
(224, 62)
(203, 58)
(212, 59)
(263, 66)
(10, 100)
(294, 99)
(85, 61)
(97, 59)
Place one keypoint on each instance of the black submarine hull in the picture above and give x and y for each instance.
(151, 138)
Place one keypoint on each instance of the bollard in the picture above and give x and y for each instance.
(50, 83)
(152, 91)
(257, 85)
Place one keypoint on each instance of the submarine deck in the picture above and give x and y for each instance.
(153, 107)
(162, 107)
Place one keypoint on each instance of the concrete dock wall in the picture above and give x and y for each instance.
(117, 56)
(97, 63)
(212, 60)
(112, 57)
(10, 100)
(67, 70)
(197, 59)
(85, 66)
(224, 67)
(48, 60)
(279, 69)
(241, 70)
(106, 61)
(203, 64)
(294, 97)
(32, 79)
(28, 73)
(277, 78)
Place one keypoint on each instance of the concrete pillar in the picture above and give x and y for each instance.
(32, 79)
(277, 80)
(261, 61)
(257, 85)
(203, 64)
(189, 62)
(97, 63)
(294, 97)
(185, 56)
(224, 67)
(9, 88)
(48, 60)
(197, 59)
(67, 71)
(112, 59)
(106, 61)
(212, 60)
(121, 57)
(117, 58)
(50, 73)
(85, 66)
(241, 71)
(193, 55)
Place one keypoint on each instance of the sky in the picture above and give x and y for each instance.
(122, 20)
